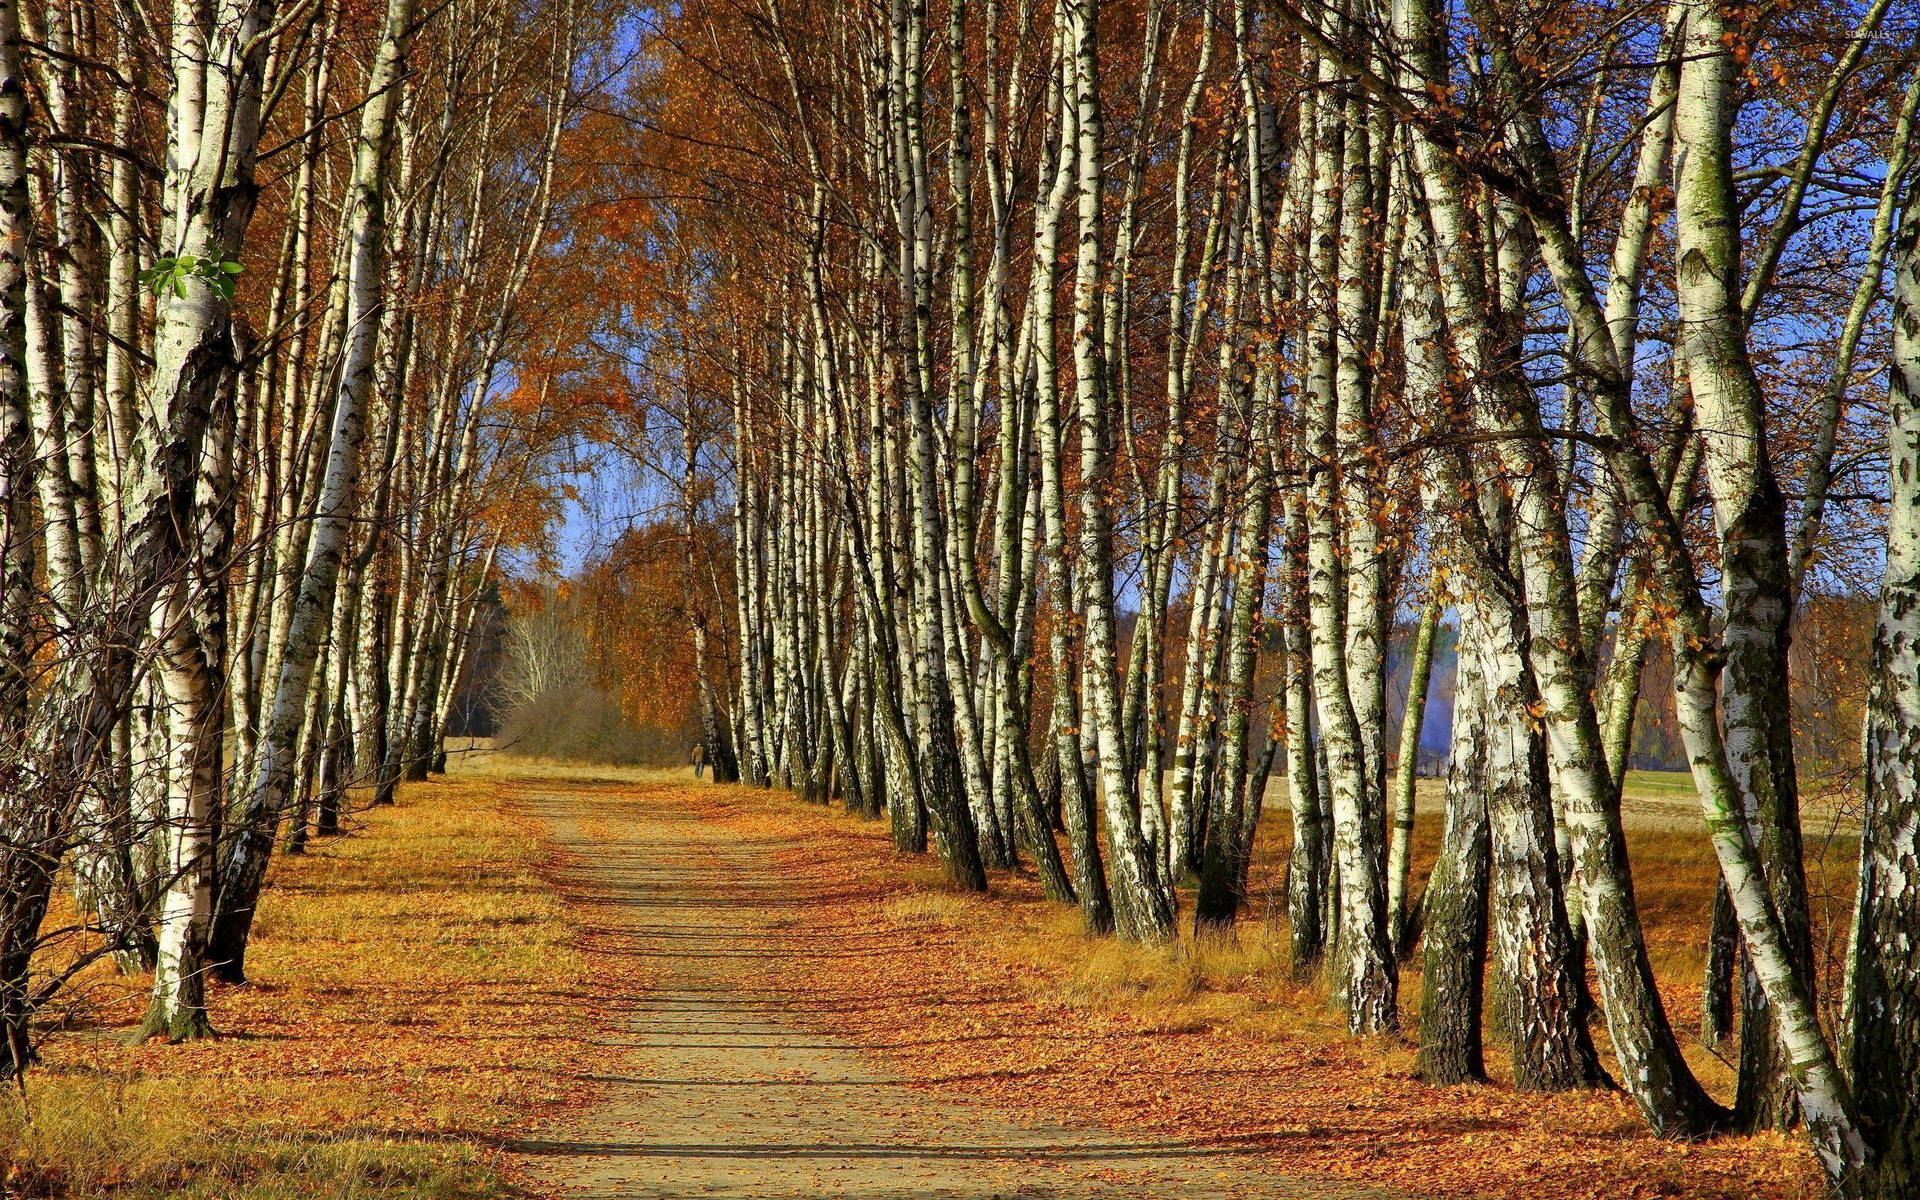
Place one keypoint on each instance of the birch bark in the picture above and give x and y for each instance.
(1884, 965)
(244, 870)
(1143, 904)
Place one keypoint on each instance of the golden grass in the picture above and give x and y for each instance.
(415, 997)
(924, 910)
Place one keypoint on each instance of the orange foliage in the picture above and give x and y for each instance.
(638, 622)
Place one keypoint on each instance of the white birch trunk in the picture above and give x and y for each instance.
(273, 777)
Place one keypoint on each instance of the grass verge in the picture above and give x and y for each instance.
(416, 998)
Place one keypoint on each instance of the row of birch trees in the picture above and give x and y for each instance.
(262, 274)
(1111, 397)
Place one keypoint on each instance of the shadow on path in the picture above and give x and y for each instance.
(716, 1090)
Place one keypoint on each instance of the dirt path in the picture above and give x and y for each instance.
(716, 1089)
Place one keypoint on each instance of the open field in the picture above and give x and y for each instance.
(1654, 801)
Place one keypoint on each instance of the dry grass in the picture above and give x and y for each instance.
(416, 997)
(925, 910)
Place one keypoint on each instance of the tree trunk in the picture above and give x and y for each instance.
(1406, 771)
(1884, 967)
(1455, 907)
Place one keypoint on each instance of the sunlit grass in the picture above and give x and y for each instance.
(131, 1135)
(1660, 781)
(415, 998)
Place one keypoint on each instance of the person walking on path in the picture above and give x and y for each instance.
(699, 758)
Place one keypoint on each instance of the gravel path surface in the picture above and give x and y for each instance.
(714, 1089)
